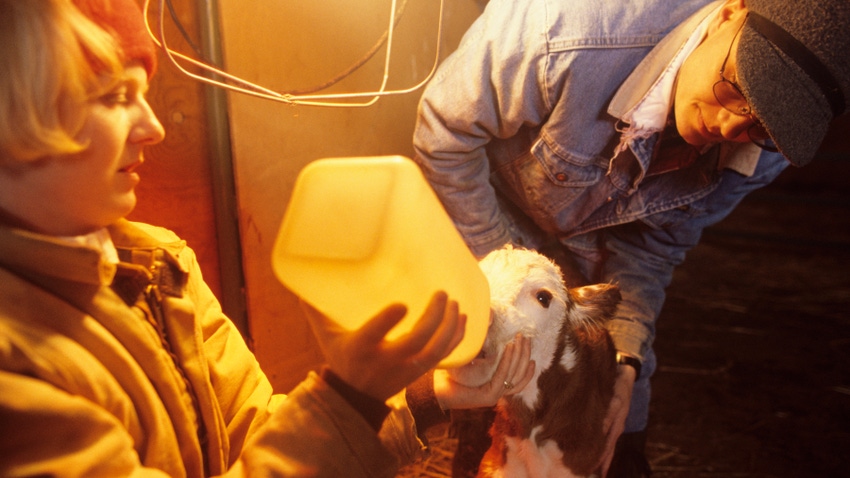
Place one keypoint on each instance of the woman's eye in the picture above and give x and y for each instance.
(116, 97)
(545, 298)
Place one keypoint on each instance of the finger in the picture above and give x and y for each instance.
(525, 358)
(447, 336)
(612, 435)
(606, 464)
(425, 329)
(500, 376)
(607, 422)
(512, 358)
(374, 330)
(615, 417)
(522, 381)
(519, 349)
(608, 456)
(458, 332)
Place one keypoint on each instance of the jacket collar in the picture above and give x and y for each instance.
(743, 157)
(652, 66)
(33, 254)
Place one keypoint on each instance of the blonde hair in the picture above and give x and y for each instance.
(54, 60)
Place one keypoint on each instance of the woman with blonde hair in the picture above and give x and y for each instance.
(115, 356)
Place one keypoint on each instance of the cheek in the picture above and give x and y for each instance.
(692, 102)
(106, 132)
(63, 181)
(88, 184)
(87, 173)
(690, 122)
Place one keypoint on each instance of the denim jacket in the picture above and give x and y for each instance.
(530, 104)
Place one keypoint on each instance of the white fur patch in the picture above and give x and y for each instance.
(526, 460)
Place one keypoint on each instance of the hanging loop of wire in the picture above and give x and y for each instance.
(239, 85)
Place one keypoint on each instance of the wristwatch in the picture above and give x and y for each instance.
(623, 359)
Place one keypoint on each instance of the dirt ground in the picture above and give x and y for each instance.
(753, 343)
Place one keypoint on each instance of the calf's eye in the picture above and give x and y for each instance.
(544, 297)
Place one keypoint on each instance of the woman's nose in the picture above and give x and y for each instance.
(148, 130)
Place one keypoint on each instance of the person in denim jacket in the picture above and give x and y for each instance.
(610, 134)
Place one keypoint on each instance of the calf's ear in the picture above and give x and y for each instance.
(596, 302)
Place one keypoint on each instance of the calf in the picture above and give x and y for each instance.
(553, 427)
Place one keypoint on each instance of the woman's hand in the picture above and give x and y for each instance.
(514, 369)
(380, 368)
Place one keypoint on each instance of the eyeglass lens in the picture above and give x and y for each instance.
(730, 98)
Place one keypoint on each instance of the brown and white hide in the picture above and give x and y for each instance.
(553, 427)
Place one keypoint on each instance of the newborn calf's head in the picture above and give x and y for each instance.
(528, 296)
(556, 420)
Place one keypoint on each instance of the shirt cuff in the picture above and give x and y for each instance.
(371, 409)
(423, 403)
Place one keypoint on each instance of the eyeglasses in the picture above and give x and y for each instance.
(731, 98)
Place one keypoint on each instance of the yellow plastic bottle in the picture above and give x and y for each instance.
(362, 233)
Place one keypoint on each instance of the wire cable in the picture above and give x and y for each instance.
(239, 85)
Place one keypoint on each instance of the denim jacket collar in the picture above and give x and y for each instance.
(652, 66)
(740, 158)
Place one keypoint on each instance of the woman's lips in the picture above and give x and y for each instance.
(131, 167)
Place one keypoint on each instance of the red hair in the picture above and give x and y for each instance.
(125, 21)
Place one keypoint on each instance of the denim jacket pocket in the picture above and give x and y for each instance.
(566, 170)
(549, 186)
(682, 196)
